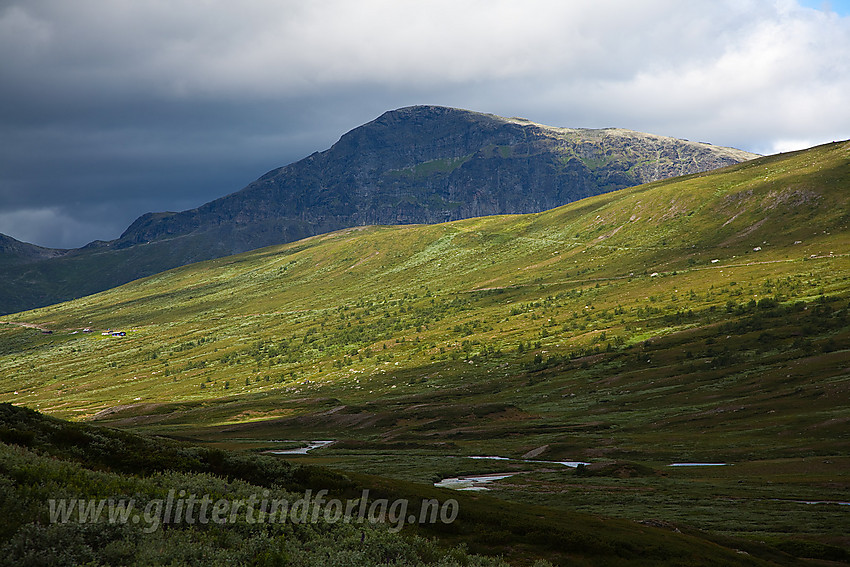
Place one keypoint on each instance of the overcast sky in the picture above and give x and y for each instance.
(113, 108)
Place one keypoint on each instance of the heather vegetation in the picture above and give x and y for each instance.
(43, 460)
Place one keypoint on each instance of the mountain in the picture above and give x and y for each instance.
(431, 164)
(422, 164)
(15, 252)
(701, 319)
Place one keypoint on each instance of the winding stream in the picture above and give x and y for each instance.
(480, 482)
(302, 450)
(472, 482)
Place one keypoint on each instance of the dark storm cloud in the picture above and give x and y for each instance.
(112, 109)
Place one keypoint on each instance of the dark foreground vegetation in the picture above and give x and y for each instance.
(43, 459)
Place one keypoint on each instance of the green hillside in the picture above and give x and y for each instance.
(420, 164)
(700, 319)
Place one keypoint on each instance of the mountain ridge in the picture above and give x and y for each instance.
(414, 165)
(458, 136)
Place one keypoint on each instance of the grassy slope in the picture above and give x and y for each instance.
(640, 325)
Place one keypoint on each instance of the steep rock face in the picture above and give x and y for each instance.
(421, 164)
(430, 164)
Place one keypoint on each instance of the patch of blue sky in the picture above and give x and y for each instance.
(840, 7)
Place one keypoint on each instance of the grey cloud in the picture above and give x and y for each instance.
(110, 109)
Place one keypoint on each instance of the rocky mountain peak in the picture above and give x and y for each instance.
(418, 164)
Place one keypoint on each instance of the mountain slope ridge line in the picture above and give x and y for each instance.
(414, 165)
